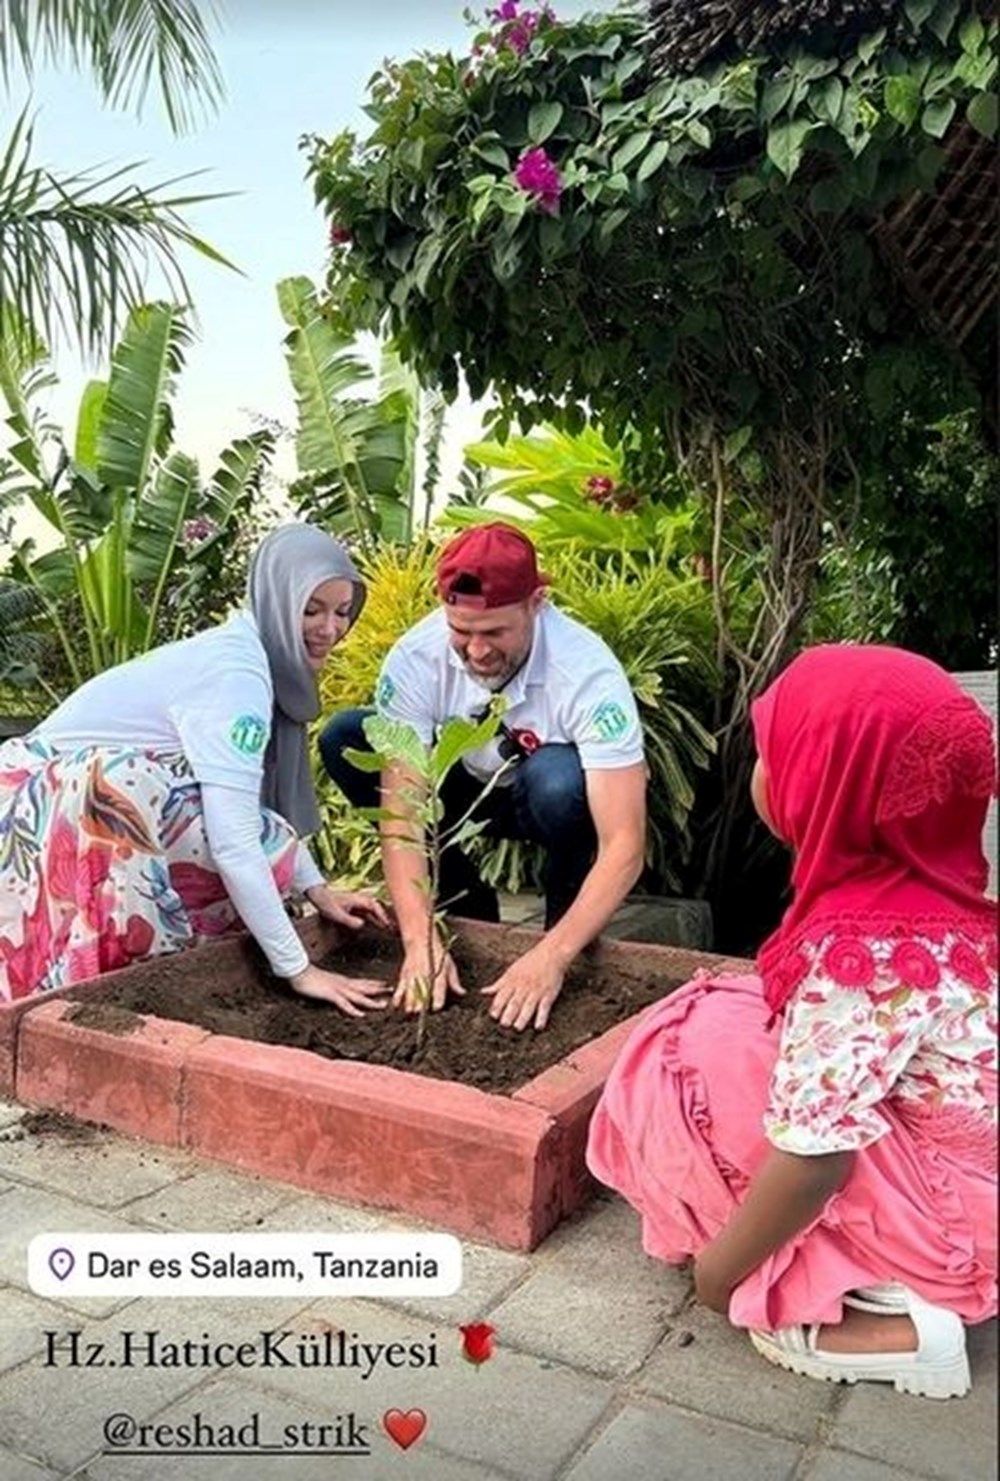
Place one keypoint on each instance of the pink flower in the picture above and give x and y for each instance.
(507, 11)
(914, 965)
(991, 953)
(196, 531)
(519, 33)
(60, 861)
(28, 963)
(966, 963)
(196, 887)
(598, 486)
(537, 175)
(850, 963)
(118, 948)
(340, 236)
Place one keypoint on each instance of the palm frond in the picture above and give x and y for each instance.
(135, 421)
(125, 44)
(75, 250)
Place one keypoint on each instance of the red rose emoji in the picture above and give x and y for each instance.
(477, 1342)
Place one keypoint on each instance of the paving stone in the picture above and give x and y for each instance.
(54, 1415)
(32, 1211)
(946, 1439)
(17, 1468)
(669, 1445)
(230, 1401)
(514, 1413)
(660, 919)
(104, 1171)
(212, 1199)
(487, 1276)
(10, 1114)
(24, 1320)
(838, 1465)
(594, 1300)
(662, 922)
(487, 1273)
(706, 1364)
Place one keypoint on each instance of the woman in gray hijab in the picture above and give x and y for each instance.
(165, 801)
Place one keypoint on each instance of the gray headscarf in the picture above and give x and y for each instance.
(286, 569)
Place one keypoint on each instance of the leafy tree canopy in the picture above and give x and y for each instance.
(580, 232)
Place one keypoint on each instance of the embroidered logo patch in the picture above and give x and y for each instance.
(385, 692)
(248, 735)
(610, 720)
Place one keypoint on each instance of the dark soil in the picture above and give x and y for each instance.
(461, 1043)
(54, 1125)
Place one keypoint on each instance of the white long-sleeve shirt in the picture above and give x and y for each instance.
(209, 697)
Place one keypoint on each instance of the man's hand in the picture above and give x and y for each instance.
(526, 991)
(416, 972)
(351, 910)
(352, 995)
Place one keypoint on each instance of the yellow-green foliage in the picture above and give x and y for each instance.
(660, 627)
(400, 591)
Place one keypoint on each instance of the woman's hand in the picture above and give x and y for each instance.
(352, 995)
(344, 909)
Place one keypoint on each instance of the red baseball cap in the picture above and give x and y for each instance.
(490, 565)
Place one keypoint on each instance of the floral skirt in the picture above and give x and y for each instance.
(678, 1132)
(104, 860)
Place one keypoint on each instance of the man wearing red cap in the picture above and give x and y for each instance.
(575, 779)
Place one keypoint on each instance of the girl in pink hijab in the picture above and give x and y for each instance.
(821, 1137)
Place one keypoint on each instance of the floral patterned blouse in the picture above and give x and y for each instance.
(845, 1050)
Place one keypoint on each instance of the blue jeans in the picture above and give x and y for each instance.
(545, 803)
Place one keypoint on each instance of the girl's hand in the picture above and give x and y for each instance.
(345, 909)
(352, 995)
(712, 1283)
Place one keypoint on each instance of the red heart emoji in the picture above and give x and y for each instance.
(404, 1428)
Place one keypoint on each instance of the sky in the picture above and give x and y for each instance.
(291, 67)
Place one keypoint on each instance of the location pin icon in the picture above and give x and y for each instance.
(61, 1262)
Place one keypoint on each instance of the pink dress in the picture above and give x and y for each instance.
(906, 1078)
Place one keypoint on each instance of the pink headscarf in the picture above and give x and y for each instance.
(879, 772)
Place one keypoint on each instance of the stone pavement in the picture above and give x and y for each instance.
(605, 1370)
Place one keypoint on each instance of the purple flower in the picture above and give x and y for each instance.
(517, 28)
(196, 531)
(537, 175)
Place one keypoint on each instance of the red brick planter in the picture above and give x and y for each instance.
(504, 1169)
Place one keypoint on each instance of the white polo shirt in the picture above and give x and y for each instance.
(571, 690)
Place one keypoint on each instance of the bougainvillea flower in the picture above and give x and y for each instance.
(198, 529)
(477, 1342)
(537, 175)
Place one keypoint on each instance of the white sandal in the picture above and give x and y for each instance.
(939, 1369)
